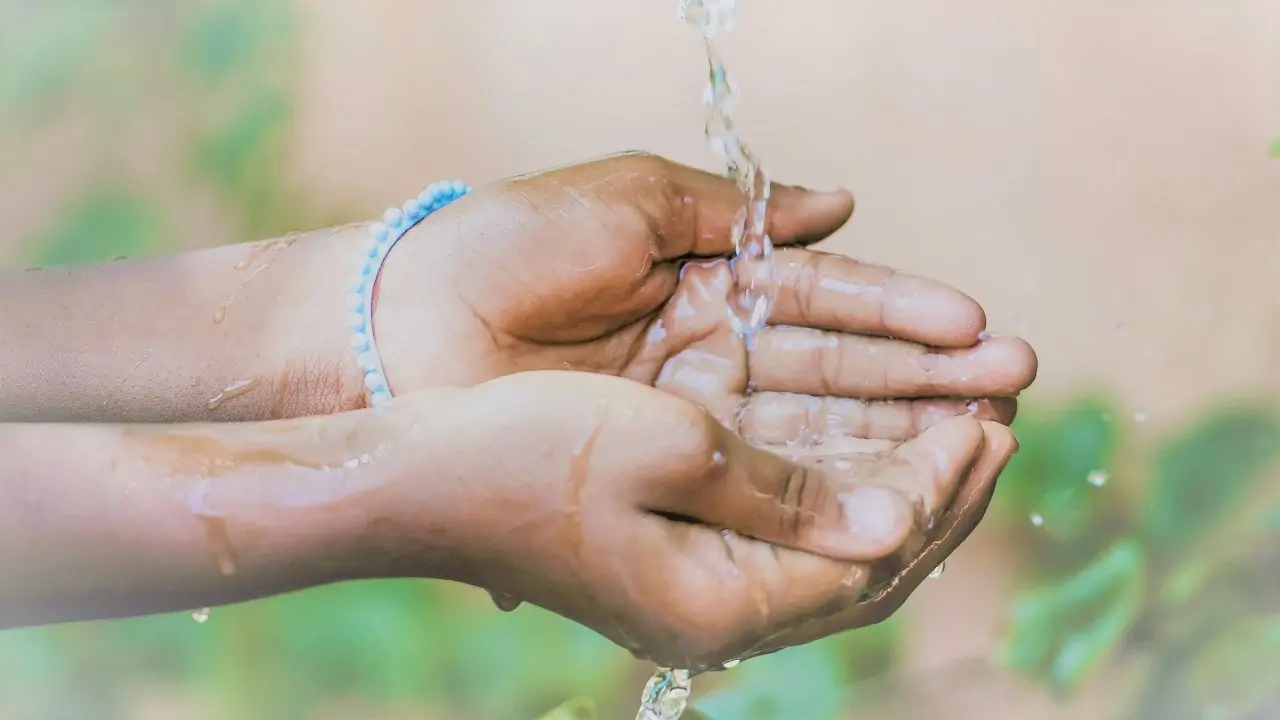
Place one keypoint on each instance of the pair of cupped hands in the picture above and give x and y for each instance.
(648, 475)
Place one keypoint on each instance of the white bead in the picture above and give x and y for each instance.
(413, 210)
(355, 302)
(375, 382)
(356, 284)
(367, 361)
(457, 187)
(355, 321)
(379, 231)
(427, 201)
(379, 399)
(360, 341)
(393, 217)
(368, 248)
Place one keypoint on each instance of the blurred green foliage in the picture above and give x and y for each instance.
(1186, 573)
(1175, 561)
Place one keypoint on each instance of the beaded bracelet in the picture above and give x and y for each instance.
(382, 237)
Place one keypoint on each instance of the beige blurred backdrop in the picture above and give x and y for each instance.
(1093, 171)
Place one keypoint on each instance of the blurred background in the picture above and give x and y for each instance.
(1096, 173)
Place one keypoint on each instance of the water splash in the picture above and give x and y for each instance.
(201, 615)
(665, 695)
(750, 300)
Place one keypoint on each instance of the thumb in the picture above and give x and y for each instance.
(856, 509)
(692, 211)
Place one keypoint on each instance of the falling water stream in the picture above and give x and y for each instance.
(750, 299)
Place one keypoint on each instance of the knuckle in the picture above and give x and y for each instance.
(799, 494)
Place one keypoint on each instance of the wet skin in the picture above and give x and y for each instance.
(646, 495)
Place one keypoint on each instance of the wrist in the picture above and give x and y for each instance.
(415, 485)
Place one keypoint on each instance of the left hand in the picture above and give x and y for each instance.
(618, 266)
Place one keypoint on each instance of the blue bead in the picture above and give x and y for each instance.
(379, 231)
(393, 217)
(380, 399)
(375, 382)
(360, 341)
(367, 361)
(355, 321)
(457, 188)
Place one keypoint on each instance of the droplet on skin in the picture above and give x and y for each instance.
(200, 615)
(235, 389)
(504, 602)
(1098, 478)
(1037, 519)
(937, 572)
(220, 315)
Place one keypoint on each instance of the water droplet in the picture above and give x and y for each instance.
(235, 389)
(504, 602)
(937, 572)
(1140, 417)
(1037, 519)
(220, 315)
(731, 664)
(200, 615)
(1098, 478)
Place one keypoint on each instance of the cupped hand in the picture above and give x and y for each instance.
(638, 514)
(618, 267)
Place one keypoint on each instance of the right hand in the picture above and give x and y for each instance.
(637, 514)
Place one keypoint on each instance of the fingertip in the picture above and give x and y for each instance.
(876, 521)
(954, 438)
(932, 313)
(801, 216)
(999, 441)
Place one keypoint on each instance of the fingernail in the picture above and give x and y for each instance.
(871, 513)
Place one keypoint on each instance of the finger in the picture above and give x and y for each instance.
(819, 362)
(859, 508)
(693, 211)
(953, 527)
(777, 418)
(834, 292)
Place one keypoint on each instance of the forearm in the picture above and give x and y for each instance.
(160, 339)
(101, 521)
